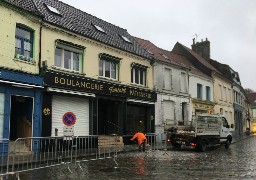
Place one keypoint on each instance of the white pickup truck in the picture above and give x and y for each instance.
(204, 130)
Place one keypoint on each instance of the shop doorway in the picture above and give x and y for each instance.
(108, 114)
(21, 117)
(136, 119)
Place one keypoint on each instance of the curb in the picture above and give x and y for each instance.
(241, 138)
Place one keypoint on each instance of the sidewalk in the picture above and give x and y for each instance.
(239, 138)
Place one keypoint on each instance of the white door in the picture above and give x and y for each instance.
(78, 106)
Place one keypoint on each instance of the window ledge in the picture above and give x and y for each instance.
(164, 89)
(108, 79)
(67, 70)
(138, 85)
(27, 62)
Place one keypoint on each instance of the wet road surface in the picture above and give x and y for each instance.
(237, 162)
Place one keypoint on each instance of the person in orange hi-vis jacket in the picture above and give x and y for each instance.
(141, 138)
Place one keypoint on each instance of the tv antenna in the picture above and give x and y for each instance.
(195, 35)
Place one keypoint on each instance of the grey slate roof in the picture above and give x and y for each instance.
(27, 5)
(80, 22)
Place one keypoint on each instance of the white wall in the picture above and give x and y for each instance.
(173, 95)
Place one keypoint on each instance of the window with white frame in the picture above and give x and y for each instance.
(225, 93)
(167, 79)
(230, 95)
(199, 91)
(108, 67)
(183, 83)
(208, 93)
(220, 92)
(138, 74)
(23, 42)
(68, 56)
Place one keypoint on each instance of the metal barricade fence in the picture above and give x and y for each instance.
(32, 153)
(157, 141)
(26, 154)
(4, 158)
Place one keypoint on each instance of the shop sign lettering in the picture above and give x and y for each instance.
(101, 87)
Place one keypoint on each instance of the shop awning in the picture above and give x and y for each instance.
(140, 101)
(70, 92)
(24, 85)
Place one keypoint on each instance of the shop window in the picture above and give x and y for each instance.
(68, 57)
(108, 67)
(138, 74)
(24, 43)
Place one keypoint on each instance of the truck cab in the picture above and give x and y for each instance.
(225, 134)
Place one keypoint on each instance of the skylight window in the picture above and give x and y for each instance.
(99, 28)
(165, 56)
(126, 39)
(192, 67)
(150, 52)
(52, 9)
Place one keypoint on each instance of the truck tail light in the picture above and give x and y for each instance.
(193, 144)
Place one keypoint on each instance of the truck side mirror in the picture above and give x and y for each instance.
(232, 125)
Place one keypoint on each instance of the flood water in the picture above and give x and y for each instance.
(237, 162)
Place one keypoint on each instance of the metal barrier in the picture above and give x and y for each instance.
(157, 141)
(32, 153)
(26, 154)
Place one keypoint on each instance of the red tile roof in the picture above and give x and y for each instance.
(172, 58)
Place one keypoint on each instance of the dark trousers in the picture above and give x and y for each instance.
(143, 145)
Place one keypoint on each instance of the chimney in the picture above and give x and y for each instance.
(202, 48)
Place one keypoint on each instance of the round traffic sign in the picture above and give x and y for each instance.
(69, 118)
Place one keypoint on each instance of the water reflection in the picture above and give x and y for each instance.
(140, 166)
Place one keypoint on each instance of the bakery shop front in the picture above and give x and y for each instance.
(99, 107)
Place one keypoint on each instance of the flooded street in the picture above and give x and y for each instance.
(237, 162)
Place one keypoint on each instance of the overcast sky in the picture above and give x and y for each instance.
(230, 26)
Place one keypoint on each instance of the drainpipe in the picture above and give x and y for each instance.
(40, 50)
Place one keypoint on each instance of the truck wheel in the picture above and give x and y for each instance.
(229, 139)
(227, 144)
(201, 146)
(174, 144)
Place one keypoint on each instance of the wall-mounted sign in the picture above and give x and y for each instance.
(47, 111)
(66, 81)
(69, 119)
(68, 131)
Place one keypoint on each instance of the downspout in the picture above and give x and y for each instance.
(40, 50)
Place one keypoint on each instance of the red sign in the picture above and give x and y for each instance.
(69, 119)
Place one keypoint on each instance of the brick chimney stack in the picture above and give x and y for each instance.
(202, 48)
